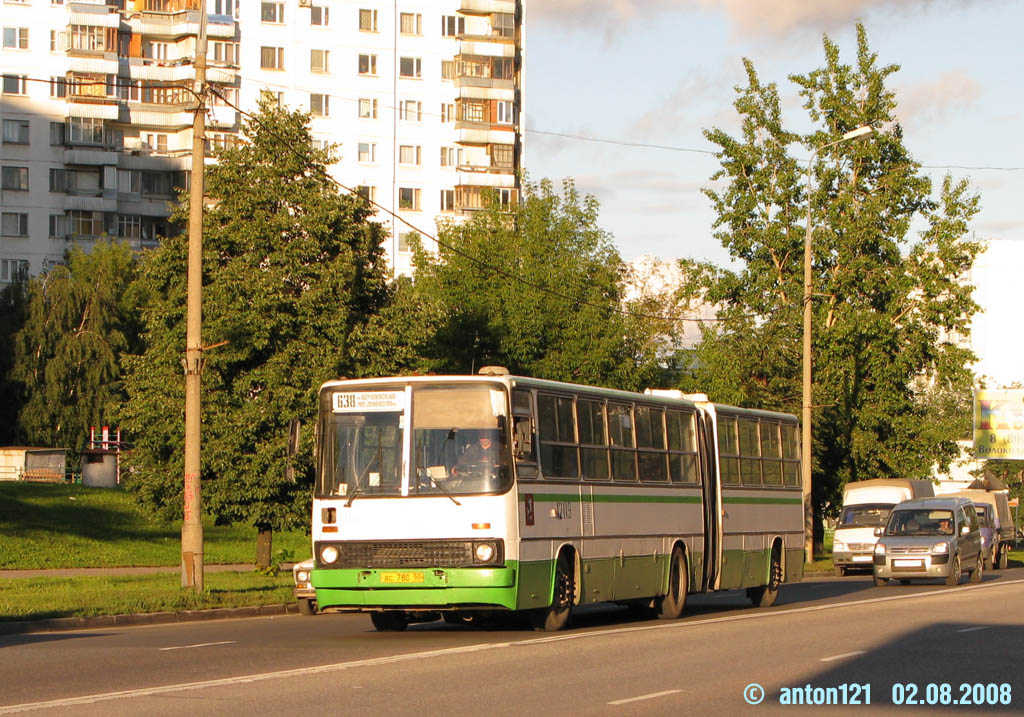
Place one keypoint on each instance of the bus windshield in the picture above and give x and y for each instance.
(459, 441)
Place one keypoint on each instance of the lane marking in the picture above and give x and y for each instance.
(845, 654)
(430, 654)
(644, 697)
(972, 629)
(201, 644)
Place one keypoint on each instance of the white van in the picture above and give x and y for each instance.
(866, 506)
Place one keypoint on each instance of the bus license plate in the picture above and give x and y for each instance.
(401, 577)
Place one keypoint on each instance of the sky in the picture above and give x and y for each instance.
(659, 72)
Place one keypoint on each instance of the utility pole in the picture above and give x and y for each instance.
(192, 526)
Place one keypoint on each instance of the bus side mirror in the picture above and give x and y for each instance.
(522, 439)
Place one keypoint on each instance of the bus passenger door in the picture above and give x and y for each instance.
(712, 500)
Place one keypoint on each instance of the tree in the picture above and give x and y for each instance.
(13, 305)
(293, 272)
(534, 287)
(80, 319)
(885, 303)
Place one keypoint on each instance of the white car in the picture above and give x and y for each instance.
(305, 595)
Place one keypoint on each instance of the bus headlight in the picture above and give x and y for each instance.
(484, 552)
(328, 554)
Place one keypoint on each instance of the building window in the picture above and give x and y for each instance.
(367, 64)
(225, 7)
(409, 154)
(157, 183)
(58, 180)
(447, 156)
(503, 155)
(503, 24)
(408, 198)
(505, 112)
(447, 69)
(129, 226)
(410, 23)
(15, 131)
(506, 197)
(58, 132)
(58, 41)
(85, 130)
(368, 108)
(272, 12)
(452, 25)
(319, 15)
(154, 142)
(15, 38)
(366, 192)
(447, 200)
(473, 111)
(14, 85)
(15, 224)
(272, 58)
(129, 181)
(91, 38)
(318, 60)
(368, 20)
(12, 269)
(59, 226)
(367, 152)
(409, 67)
(410, 110)
(404, 243)
(319, 105)
(447, 112)
(58, 87)
(14, 179)
(85, 224)
(225, 52)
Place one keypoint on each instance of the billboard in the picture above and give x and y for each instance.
(999, 424)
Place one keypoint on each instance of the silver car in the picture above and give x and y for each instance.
(305, 595)
(929, 538)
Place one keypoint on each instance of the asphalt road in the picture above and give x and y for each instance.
(823, 633)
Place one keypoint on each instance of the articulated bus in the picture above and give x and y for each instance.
(458, 497)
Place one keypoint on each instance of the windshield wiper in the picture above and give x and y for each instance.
(359, 482)
(433, 481)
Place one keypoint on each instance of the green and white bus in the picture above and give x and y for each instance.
(462, 496)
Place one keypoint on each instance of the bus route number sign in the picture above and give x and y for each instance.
(361, 401)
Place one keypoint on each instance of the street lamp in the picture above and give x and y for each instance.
(805, 440)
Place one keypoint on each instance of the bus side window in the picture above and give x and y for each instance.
(524, 441)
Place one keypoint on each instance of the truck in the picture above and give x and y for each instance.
(866, 506)
(997, 553)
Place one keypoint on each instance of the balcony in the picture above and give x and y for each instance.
(475, 176)
(90, 157)
(94, 107)
(486, 7)
(89, 204)
(105, 63)
(487, 46)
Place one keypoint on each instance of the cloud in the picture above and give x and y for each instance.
(930, 103)
(748, 18)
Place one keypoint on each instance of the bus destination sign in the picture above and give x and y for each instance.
(362, 401)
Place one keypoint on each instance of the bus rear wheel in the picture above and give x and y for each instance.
(389, 620)
(556, 616)
(671, 605)
(765, 595)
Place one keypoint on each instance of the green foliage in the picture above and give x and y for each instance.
(890, 387)
(13, 305)
(293, 272)
(72, 526)
(80, 319)
(533, 287)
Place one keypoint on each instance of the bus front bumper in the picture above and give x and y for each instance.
(419, 589)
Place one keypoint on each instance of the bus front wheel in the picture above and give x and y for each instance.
(556, 616)
(389, 620)
(671, 605)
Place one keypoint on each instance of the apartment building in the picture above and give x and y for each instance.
(423, 100)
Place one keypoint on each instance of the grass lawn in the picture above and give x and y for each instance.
(42, 598)
(71, 526)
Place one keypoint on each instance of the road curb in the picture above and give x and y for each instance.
(150, 618)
